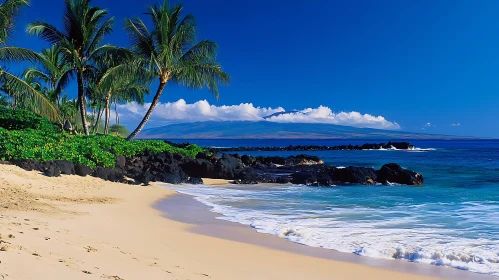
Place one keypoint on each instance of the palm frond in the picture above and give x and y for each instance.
(204, 74)
(105, 29)
(32, 73)
(39, 102)
(204, 50)
(141, 38)
(46, 31)
(64, 81)
(16, 54)
(8, 11)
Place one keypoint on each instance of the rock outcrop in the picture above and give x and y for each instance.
(175, 169)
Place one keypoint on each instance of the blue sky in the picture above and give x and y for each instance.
(422, 64)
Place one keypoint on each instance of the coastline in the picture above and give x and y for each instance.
(184, 208)
(74, 227)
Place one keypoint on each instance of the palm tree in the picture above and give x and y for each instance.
(55, 72)
(12, 84)
(170, 53)
(80, 41)
(115, 79)
(68, 108)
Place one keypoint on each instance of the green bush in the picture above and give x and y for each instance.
(28, 136)
(23, 119)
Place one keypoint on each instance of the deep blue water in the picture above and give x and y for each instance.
(452, 220)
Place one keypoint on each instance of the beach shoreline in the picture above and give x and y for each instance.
(186, 209)
(74, 227)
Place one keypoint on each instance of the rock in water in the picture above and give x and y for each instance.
(353, 175)
(304, 178)
(195, 181)
(394, 173)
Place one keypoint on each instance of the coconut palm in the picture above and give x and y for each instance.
(68, 109)
(80, 41)
(12, 84)
(115, 80)
(169, 51)
(55, 72)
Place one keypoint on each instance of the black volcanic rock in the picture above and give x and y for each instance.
(50, 169)
(200, 168)
(120, 162)
(304, 178)
(353, 175)
(228, 167)
(144, 178)
(109, 174)
(28, 164)
(249, 176)
(393, 173)
(82, 170)
(176, 169)
(66, 167)
(195, 181)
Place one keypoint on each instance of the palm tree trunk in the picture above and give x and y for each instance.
(116, 111)
(108, 114)
(94, 112)
(149, 112)
(99, 115)
(81, 99)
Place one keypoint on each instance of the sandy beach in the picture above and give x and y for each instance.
(86, 228)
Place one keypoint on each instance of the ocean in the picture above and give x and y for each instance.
(452, 220)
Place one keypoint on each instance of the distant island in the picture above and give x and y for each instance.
(273, 130)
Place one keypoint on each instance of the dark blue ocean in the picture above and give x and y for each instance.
(452, 220)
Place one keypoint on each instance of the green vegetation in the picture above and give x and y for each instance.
(21, 92)
(24, 135)
(105, 74)
(117, 129)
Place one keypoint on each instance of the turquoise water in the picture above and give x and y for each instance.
(452, 220)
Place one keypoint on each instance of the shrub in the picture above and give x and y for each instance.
(23, 119)
(24, 135)
(117, 129)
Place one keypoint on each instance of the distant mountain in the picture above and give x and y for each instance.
(280, 113)
(273, 130)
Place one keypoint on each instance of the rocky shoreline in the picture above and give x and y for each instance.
(176, 169)
(367, 146)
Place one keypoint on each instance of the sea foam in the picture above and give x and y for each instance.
(388, 232)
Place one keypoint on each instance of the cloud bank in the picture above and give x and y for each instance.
(181, 112)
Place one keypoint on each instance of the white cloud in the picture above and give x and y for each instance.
(428, 125)
(455, 124)
(181, 112)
